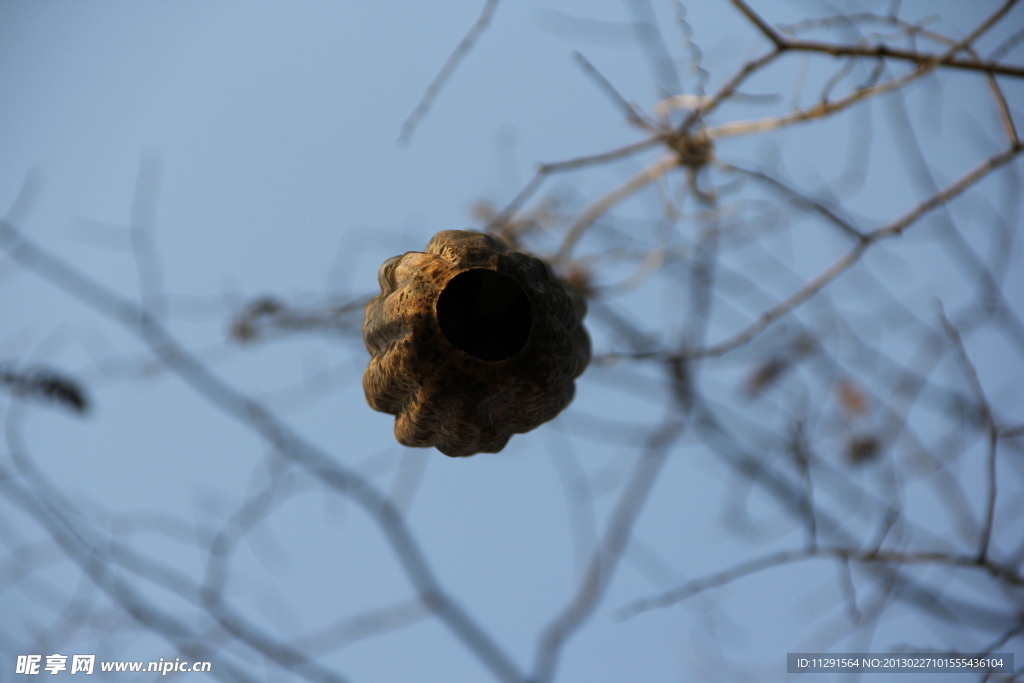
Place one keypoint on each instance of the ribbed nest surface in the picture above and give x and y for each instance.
(471, 343)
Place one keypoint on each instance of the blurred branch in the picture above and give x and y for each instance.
(840, 266)
(44, 384)
(606, 558)
(844, 555)
(544, 170)
(266, 316)
(120, 591)
(715, 580)
(985, 414)
(143, 221)
(649, 38)
(281, 437)
(364, 625)
(822, 109)
(603, 204)
(800, 200)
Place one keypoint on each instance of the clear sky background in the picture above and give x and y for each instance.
(271, 130)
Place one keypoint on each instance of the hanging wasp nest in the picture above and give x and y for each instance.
(471, 343)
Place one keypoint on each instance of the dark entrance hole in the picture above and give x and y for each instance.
(485, 314)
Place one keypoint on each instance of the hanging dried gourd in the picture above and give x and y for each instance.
(471, 342)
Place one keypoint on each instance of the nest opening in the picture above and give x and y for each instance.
(485, 314)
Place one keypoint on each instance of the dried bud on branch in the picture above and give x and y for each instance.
(44, 384)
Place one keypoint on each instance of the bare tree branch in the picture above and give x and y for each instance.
(446, 71)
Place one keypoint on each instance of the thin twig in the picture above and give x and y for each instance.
(985, 414)
(606, 558)
(727, 90)
(606, 202)
(143, 220)
(819, 110)
(278, 435)
(749, 567)
(817, 283)
(446, 71)
(630, 112)
(544, 170)
(762, 25)
(649, 38)
(691, 588)
(921, 59)
(799, 199)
